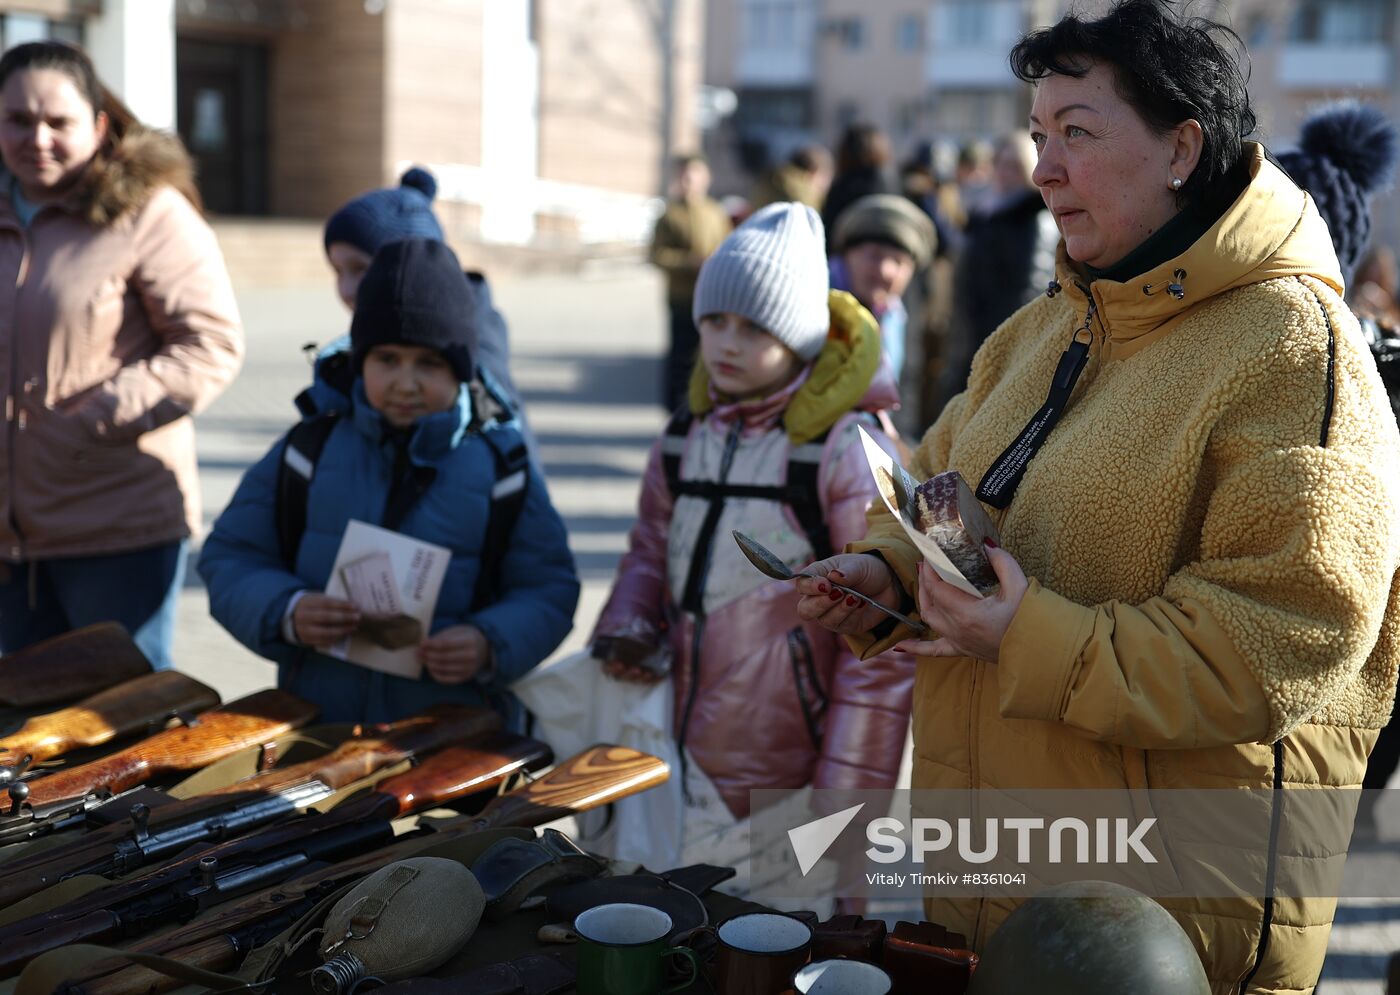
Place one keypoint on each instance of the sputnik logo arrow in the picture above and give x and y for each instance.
(811, 840)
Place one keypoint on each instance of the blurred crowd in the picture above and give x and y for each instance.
(990, 249)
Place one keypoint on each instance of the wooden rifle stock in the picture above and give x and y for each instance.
(459, 771)
(70, 666)
(123, 710)
(597, 776)
(375, 748)
(246, 722)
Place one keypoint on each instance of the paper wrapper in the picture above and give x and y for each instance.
(885, 469)
(394, 580)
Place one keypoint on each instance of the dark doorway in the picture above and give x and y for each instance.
(221, 112)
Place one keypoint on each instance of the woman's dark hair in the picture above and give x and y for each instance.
(73, 63)
(1169, 68)
(863, 146)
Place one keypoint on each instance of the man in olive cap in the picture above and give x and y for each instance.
(881, 241)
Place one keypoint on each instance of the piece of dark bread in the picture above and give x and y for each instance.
(949, 513)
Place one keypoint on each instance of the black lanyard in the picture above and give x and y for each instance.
(999, 484)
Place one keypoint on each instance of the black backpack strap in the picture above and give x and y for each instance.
(407, 488)
(804, 465)
(673, 446)
(508, 495)
(800, 491)
(300, 452)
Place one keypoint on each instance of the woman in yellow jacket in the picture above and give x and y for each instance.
(1201, 526)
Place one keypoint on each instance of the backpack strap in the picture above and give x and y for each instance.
(508, 495)
(800, 491)
(673, 446)
(300, 452)
(407, 483)
(804, 465)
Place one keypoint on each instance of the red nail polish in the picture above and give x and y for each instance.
(835, 595)
(822, 588)
(850, 602)
(898, 650)
(991, 542)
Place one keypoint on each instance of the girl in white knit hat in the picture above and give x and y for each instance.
(767, 445)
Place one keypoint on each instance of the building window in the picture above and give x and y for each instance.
(1340, 22)
(909, 33)
(908, 116)
(850, 32)
(969, 23)
(774, 108)
(67, 31)
(784, 25)
(1257, 30)
(16, 29)
(775, 24)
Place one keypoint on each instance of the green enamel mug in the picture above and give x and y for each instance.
(622, 950)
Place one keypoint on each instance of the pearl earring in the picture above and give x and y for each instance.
(1176, 182)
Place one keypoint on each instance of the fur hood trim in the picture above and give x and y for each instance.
(123, 179)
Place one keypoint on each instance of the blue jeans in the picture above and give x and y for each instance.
(40, 600)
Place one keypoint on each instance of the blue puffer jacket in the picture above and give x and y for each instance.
(249, 585)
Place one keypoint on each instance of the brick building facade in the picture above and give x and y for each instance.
(544, 119)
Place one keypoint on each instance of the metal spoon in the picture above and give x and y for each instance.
(769, 564)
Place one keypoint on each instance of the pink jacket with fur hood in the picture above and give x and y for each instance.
(769, 701)
(118, 321)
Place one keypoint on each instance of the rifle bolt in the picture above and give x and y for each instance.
(140, 817)
(208, 866)
(19, 791)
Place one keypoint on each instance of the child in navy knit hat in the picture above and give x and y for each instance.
(353, 235)
(372, 220)
(420, 452)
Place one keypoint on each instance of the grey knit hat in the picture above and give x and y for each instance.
(772, 270)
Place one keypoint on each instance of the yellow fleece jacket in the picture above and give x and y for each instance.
(1212, 534)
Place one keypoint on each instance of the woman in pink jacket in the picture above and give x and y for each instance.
(118, 321)
(769, 445)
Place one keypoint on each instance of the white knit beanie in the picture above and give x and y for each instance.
(772, 270)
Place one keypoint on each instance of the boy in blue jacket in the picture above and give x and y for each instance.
(420, 450)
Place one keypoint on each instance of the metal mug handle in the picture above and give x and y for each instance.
(694, 962)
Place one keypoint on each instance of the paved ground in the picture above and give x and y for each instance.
(586, 355)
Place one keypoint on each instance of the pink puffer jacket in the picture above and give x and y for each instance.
(768, 701)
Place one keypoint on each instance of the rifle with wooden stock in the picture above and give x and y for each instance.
(61, 798)
(151, 835)
(212, 875)
(597, 776)
(66, 667)
(138, 705)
